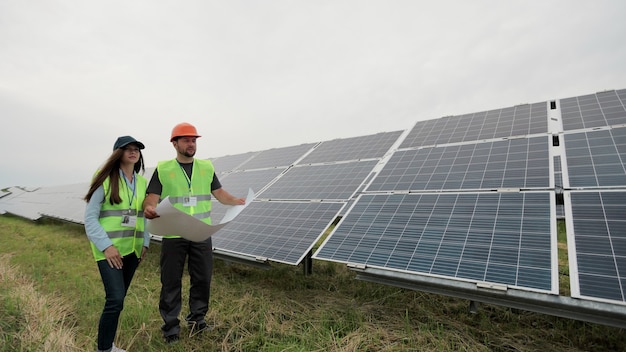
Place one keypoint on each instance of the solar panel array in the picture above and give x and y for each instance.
(293, 210)
(469, 198)
(404, 223)
(389, 227)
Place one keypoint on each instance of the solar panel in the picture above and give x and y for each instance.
(323, 181)
(596, 158)
(63, 202)
(597, 244)
(13, 203)
(519, 120)
(279, 231)
(4, 193)
(228, 163)
(515, 163)
(59, 202)
(504, 238)
(280, 157)
(238, 183)
(357, 148)
(594, 110)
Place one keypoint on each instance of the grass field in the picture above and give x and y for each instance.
(51, 297)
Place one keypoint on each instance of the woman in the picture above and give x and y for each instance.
(116, 228)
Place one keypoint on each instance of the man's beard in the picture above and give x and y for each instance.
(188, 154)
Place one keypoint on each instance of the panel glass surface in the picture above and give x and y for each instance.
(515, 163)
(594, 110)
(596, 158)
(328, 181)
(279, 157)
(357, 148)
(60, 202)
(280, 231)
(501, 238)
(599, 230)
(519, 120)
(228, 163)
(238, 184)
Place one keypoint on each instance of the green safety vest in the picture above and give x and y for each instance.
(125, 239)
(177, 186)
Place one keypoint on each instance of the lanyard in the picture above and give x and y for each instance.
(187, 177)
(133, 189)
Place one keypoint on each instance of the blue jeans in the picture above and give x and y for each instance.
(116, 283)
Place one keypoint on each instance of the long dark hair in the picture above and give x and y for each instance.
(111, 169)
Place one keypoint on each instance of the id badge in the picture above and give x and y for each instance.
(190, 201)
(129, 221)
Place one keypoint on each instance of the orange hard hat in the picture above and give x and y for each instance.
(183, 129)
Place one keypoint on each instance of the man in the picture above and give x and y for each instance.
(189, 183)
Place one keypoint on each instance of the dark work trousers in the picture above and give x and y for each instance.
(116, 283)
(174, 251)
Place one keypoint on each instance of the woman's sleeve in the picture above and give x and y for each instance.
(94, 230)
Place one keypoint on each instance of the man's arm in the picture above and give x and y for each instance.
(226, 198)
(149, 206)
(153, 194)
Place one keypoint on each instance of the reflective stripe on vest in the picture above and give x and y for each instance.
(126, 240)
(125, 233)
(131, 212)
(175, 185)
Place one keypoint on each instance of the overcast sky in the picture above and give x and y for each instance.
(256, 75)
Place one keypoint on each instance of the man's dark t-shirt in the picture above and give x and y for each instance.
(156, 187)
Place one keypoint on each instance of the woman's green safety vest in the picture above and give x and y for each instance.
(125, 239)
(178, 187)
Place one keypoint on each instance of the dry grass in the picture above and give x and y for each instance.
(280, 309)
(38, 321)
